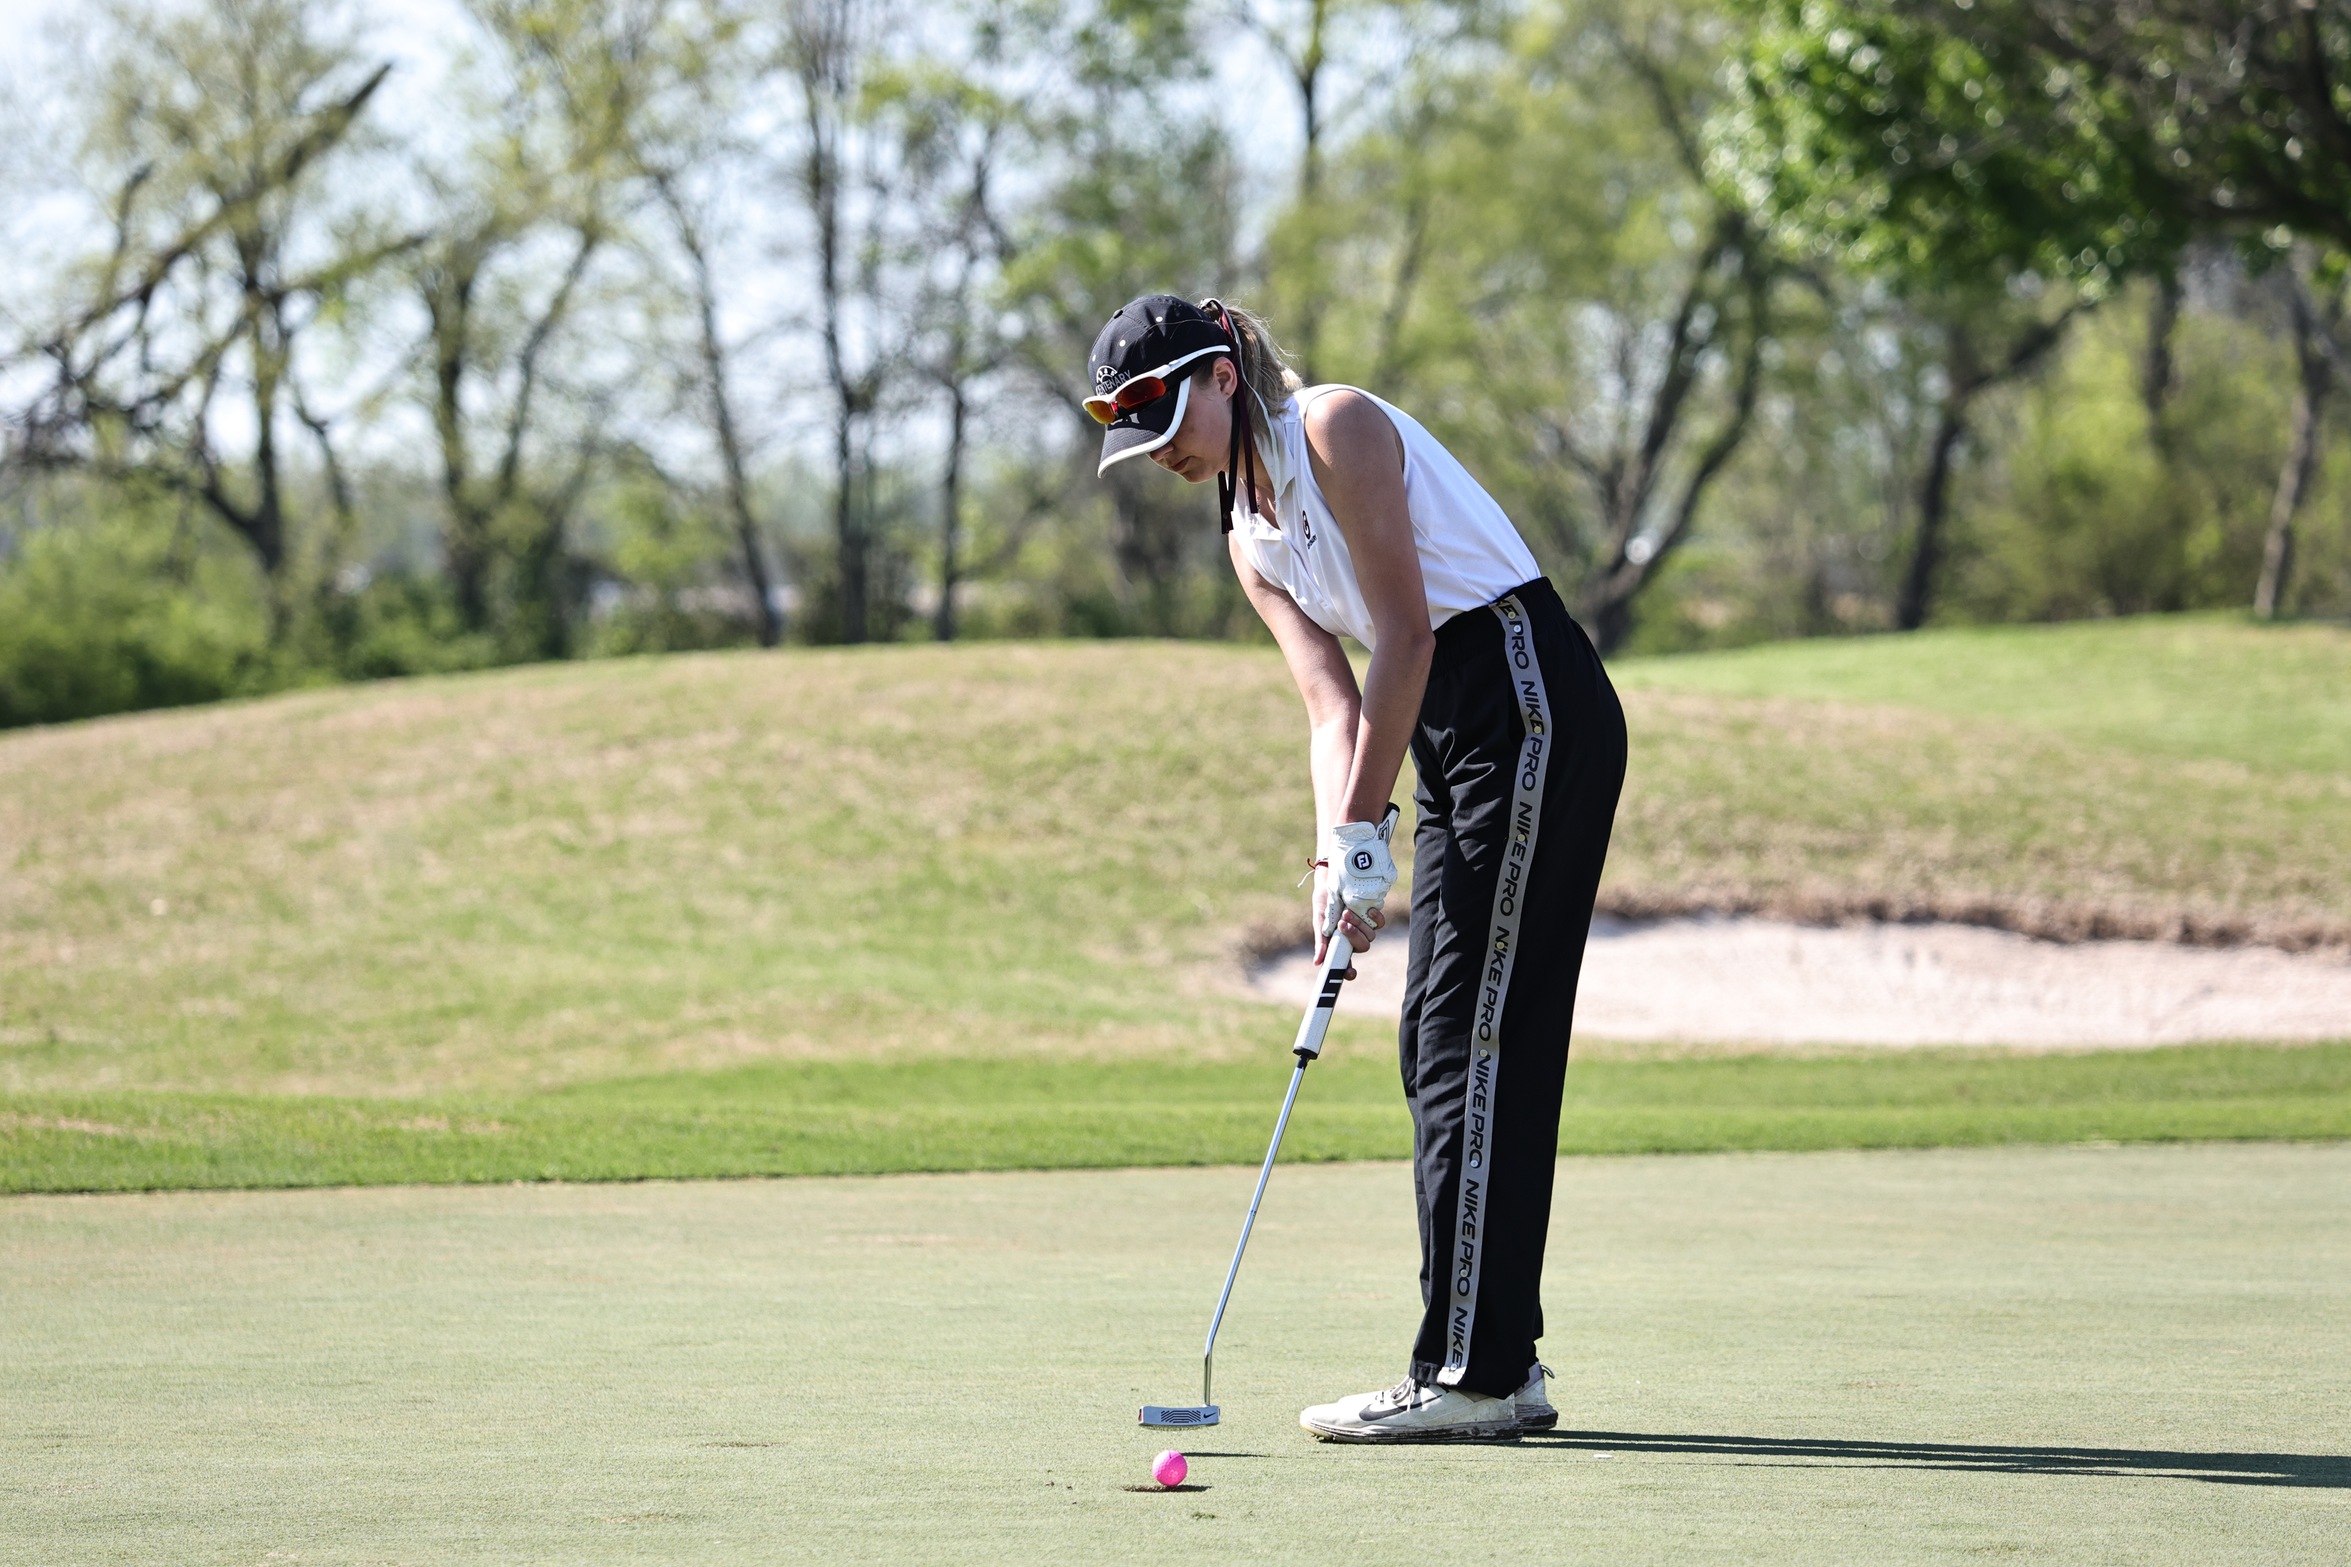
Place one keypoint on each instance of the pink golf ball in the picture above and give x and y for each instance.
(1169, 1469)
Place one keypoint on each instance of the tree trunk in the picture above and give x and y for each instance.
(849, 538)
(950, 517)
(1970, 377)
(849, 541)
(2159, 375)
(1306, 71)
(465, 547)
(339, 495)
(1934, 500)
(1388, 359)
(1627, 480)
(541, 579)
(2312, 386)
(822, 35)
(771, 623)
(722, 416)
(268, 526)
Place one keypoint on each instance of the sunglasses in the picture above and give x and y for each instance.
(1149, 387)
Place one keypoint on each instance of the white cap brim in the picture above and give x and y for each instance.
(1122, 441)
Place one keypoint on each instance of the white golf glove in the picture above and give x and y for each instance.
(1362, 869)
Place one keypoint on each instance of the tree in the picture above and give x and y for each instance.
(950, 126)
(2316, 295)
(1298, 37)
(1135, 193)
(1546, 268)
(826, 52)
(714, 358)
(518, 227)
(213, 136)
(2231, 115)
(2076, 140)
(685, 143)
(1884, 138)
(1987, 342)
(1334, 84)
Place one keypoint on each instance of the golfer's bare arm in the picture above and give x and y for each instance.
(1358, 737)
(1359, 464)
(1325, 679)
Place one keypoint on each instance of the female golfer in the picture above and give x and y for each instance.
(1347, 518)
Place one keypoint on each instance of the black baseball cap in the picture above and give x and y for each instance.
(1158, 335)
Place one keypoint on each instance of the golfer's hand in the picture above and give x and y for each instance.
(1359, 929)
(1363, 873)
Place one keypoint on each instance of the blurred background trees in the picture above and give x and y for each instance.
(349, 342)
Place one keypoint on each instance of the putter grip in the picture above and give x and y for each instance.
(1316, 1023)
(1338, 957)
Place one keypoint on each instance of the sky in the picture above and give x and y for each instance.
(46, 221)
(415, 31)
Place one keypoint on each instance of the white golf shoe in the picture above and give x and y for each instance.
(1533, 1402)
(1413, 1412)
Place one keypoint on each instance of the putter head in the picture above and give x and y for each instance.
(1176, 1415)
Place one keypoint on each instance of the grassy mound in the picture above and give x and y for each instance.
(576, 871)
(481, 889)
(2171, 778)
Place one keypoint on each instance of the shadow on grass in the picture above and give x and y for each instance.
(2282, 1469)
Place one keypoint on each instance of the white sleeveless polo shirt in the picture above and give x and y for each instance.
(1470, 554)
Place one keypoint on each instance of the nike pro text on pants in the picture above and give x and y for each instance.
(1521, 753)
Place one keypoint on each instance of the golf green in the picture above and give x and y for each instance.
(2052, 1354)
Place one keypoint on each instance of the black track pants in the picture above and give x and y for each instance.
(1521, 753)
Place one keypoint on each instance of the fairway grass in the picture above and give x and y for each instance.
(934, 1115)
(2053, 1356)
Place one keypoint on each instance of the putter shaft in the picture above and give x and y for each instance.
(1311, 1030)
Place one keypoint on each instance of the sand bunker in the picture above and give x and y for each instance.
(1733, 979)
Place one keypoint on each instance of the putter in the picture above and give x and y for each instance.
(1338, 957)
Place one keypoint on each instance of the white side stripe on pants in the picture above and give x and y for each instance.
(1518, 855)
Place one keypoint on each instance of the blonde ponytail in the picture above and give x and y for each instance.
(1269, 380)
(1265, 370)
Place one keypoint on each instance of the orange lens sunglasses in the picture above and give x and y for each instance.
(1149, 387)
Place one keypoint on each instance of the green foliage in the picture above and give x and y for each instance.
(2082, 511)
(2075, 136)
(130, 607)
(673, 592)
(1944, 148)
(2072, 500)
(1537, 226)
(397, 623)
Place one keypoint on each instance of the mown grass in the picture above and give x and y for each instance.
(812, 1118)
(1021, 864)
(2219, 688)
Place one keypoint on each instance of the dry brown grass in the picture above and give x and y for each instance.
(546, 875)
(1825, 812)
